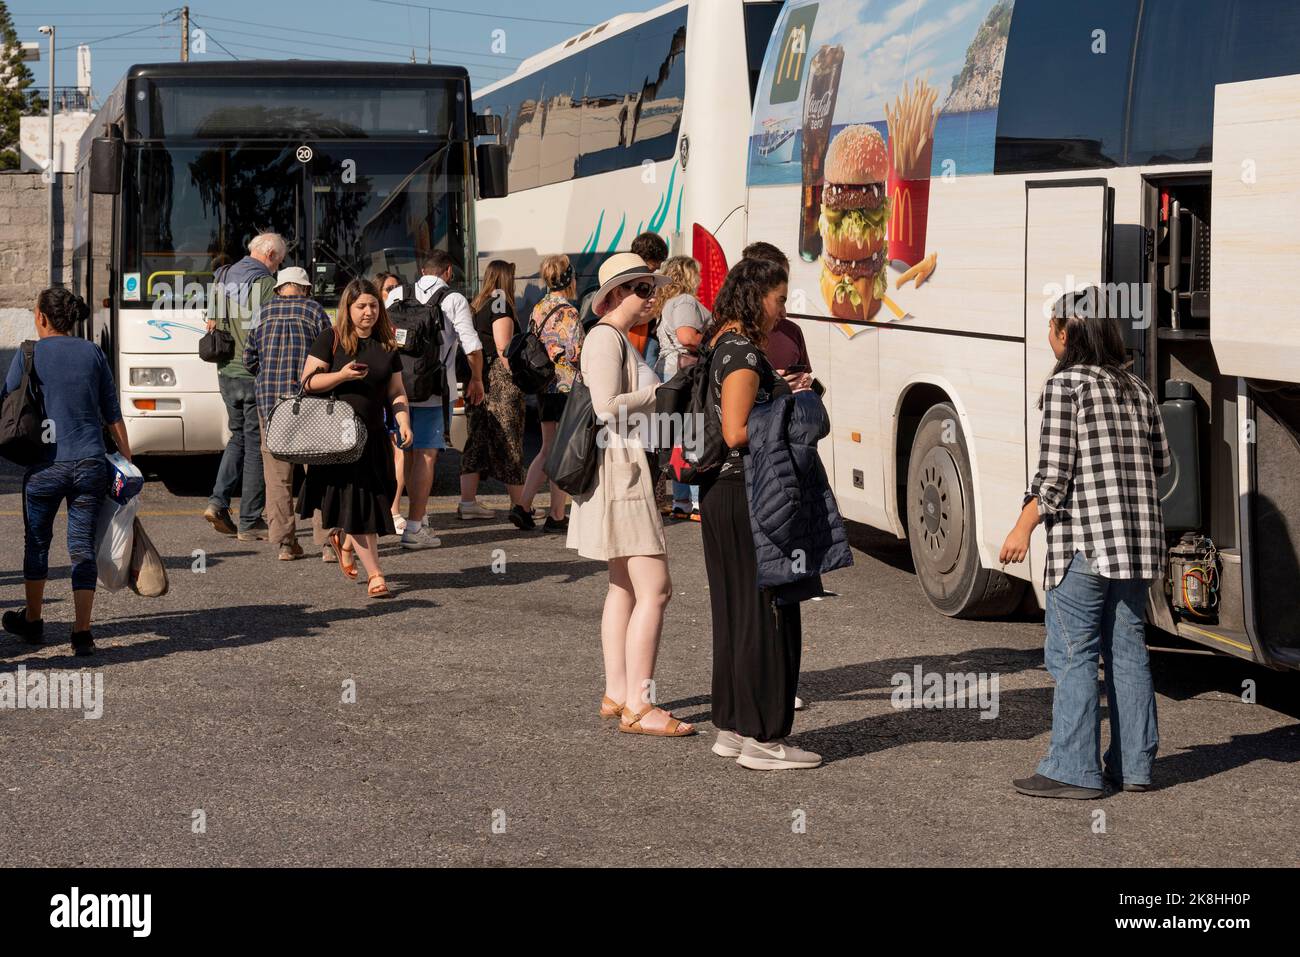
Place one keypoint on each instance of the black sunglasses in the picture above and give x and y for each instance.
(642, 290)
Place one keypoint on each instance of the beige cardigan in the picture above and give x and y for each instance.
(618, 518)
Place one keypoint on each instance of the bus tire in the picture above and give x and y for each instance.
(941, 524)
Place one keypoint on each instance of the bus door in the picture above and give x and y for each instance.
(1254, 247)
(1068, 225)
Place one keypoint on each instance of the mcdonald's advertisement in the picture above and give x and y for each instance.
(862, 106)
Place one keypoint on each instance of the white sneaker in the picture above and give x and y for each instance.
(474, 512)
(420, 538)
(798, 703)
(399, 524)
(728, 745)
(775, 756)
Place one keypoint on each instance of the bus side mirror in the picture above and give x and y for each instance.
(493, 171)
(106, 166)
(487, 125)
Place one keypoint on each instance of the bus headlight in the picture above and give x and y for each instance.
(153, 377)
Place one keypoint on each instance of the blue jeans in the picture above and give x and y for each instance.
(243, 454)
(83, 486)
(1088, 616)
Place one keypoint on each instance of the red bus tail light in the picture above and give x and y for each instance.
(713, 264)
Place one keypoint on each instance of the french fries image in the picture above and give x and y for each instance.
(920, 272)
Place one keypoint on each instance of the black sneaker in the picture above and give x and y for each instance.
(1039, 786)
(32, 632)
(553, 526)
(522, 519)
(83, 644)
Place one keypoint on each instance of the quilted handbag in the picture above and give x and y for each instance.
(315, 430)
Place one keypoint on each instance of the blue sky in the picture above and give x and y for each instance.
(462, 31)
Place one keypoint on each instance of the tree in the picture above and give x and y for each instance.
(15, 78)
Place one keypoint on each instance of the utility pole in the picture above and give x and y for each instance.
(185, 34)
(52, 171)
(430, 36)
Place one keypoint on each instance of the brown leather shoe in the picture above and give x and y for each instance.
(219, 518)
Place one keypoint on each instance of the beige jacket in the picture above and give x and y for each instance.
(618, 518)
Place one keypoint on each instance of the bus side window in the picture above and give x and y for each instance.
(1186, 48)
(1064, 86)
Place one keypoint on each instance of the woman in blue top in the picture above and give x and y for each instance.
(80, 397)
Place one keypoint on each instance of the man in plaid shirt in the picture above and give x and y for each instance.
(1102, 450)
(275, 352)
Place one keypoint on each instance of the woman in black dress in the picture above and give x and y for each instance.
(756, 642)
(358, 361)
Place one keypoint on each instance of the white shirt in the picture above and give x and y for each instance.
(458, 326)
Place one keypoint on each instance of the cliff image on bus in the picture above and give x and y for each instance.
(1010, 151)
(361, 167)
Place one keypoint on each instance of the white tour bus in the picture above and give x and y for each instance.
(605, 130)
(1033, 147)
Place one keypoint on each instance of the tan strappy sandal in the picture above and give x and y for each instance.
(338, 544)
(609, 708)
(674, 728)
(379, 591)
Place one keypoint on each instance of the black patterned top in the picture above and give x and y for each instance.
(731, 353)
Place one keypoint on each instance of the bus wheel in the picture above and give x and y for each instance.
(941, 524)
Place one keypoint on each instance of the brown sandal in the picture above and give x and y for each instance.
(609, 708)
(672, 730)
(380, 591)
(349, 569)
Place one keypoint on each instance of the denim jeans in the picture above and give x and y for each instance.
(1090, 616)
(83, 485)
(243, 455)
(686, 493)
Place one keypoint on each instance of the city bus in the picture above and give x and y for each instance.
(361, 167)
(992, 156)
(605, 130)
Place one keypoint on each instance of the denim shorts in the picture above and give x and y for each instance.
(427, 427)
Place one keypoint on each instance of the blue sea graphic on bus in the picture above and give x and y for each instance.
(954, 47)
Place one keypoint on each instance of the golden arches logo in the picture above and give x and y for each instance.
(902, 204)
(790, 66)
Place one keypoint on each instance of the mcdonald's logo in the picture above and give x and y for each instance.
(902, 214)
(796, 40)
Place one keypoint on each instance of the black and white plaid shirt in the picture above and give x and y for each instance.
(1099, 459)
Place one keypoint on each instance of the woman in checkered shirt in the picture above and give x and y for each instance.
(1101, 452)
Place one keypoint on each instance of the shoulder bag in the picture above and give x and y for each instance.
(315, 429)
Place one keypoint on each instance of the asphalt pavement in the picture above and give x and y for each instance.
(269, 713)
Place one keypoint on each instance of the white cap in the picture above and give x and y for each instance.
(294, 274)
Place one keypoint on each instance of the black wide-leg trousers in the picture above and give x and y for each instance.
(756, 643)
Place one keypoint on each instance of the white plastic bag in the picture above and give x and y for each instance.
(114, 535)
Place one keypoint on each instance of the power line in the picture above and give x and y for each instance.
(489, 16)
(325, 46)
(214, 39)
(340, 36)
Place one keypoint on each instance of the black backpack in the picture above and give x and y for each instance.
(531, 367)
(419, 330)
(696, 450)
(22, 417)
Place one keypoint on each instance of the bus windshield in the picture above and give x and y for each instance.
(344, 210)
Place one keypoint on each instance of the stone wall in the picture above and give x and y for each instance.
(24, 253)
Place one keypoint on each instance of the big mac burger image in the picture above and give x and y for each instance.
(855, 211)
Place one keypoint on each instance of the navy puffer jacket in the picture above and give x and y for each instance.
(798, 531)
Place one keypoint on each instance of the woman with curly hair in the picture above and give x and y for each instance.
(756, 642)
(358, 362)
